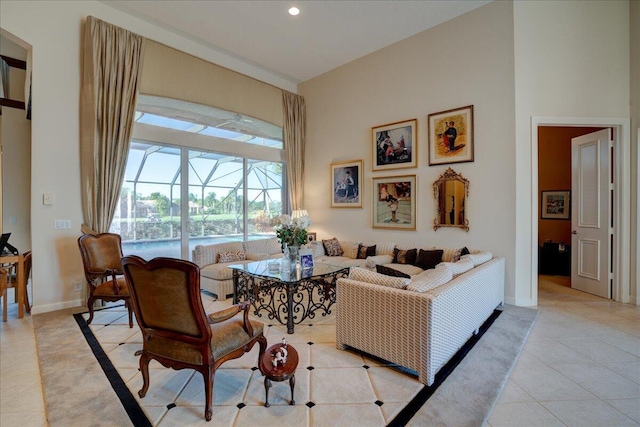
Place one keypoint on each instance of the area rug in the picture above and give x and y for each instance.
(332, 388)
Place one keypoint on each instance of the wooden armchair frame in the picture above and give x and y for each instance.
(200, 343)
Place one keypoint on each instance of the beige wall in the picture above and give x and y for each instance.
(571, 60)
(15, 137)
(468, 60)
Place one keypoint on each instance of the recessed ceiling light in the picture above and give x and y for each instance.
(294, 11)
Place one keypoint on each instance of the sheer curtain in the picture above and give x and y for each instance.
(111, 68)
(295, 126)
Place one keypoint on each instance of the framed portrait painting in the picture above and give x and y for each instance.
(451, 136)
(394, 145)
(555, 205)
(394, 202)
(346, 184)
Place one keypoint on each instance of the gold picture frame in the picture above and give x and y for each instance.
(451, 136)
(346, 184)
(394, 202)
(394, 145)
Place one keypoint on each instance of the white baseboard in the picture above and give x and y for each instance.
(520, 302)
(39, 309)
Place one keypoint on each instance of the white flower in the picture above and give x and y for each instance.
(285, 220)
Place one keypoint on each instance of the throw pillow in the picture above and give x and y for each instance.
(428, 259)
(459, 253)
(231, 256)
(364, 275)
(332, 247)
(391, 272)
(365, 251)
(480, 257)
(404, 256)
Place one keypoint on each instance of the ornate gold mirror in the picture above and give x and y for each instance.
(451, 191)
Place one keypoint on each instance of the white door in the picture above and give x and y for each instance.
(591, 213)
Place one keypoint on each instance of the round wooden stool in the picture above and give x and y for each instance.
(280, 372)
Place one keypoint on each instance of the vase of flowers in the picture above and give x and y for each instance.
(291, 232)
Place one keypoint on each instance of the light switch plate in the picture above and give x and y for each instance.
(47, 199)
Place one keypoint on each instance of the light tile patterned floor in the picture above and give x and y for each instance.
(580, 366)
(587, 348)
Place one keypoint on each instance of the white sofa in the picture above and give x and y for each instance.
(215, 276)
(419, 330)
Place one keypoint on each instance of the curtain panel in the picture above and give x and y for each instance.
(295, 125)
(112, 63)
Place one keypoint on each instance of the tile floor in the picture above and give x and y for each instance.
(580, 367)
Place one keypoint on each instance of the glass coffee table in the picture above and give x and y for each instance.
(288, 297)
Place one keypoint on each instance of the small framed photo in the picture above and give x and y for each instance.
(394, 146)
(451, 136)
(346, 182)
(306, 258)
(555, 205)
(394, 202)
(311, 237)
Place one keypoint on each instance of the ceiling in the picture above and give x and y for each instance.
(325, 35)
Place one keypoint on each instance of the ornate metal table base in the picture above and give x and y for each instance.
(288, 302)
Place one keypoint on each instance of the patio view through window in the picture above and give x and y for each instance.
(226, 196)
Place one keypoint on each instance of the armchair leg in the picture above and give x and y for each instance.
(263, 347)
(144, 369)
(208, 375)
(90, 307)
(128, 305)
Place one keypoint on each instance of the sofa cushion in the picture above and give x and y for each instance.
(409, 269)
(428, 259)
(364, 275)
(208, 254)
(431, 279)
(457, 268)
(383, 248)
(268, 246)
(479, 257)
(380, 259)
(317, 248)
(366, 251)
(349, 248)
(332, 247)
(404, 256)
(231, 256)
(388, 271)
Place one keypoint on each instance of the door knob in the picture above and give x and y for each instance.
(574, 232)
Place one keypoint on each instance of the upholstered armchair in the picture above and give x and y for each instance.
(176, 331)
(101, 257)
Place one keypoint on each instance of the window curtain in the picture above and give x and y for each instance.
(295, 126)
(112, 66)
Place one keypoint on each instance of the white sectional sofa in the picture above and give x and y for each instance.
(421, 322)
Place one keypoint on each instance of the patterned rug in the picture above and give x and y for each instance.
(333, 387)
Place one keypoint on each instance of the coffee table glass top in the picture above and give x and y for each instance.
(261, 269)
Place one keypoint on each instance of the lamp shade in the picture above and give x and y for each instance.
(299, 213)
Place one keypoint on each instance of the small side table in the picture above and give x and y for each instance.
(279, 373)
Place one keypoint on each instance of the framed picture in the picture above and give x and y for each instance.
(311, 237)
(394, 202)
(346, 182)
(306, 258)
(451, 136)
(555, 205)
(394, 145)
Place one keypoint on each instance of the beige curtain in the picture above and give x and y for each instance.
(111, 69)
(295, 126)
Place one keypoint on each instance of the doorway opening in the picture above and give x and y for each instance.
(554, 219)
(620, 203)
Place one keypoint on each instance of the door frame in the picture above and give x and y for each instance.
(622, 194)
